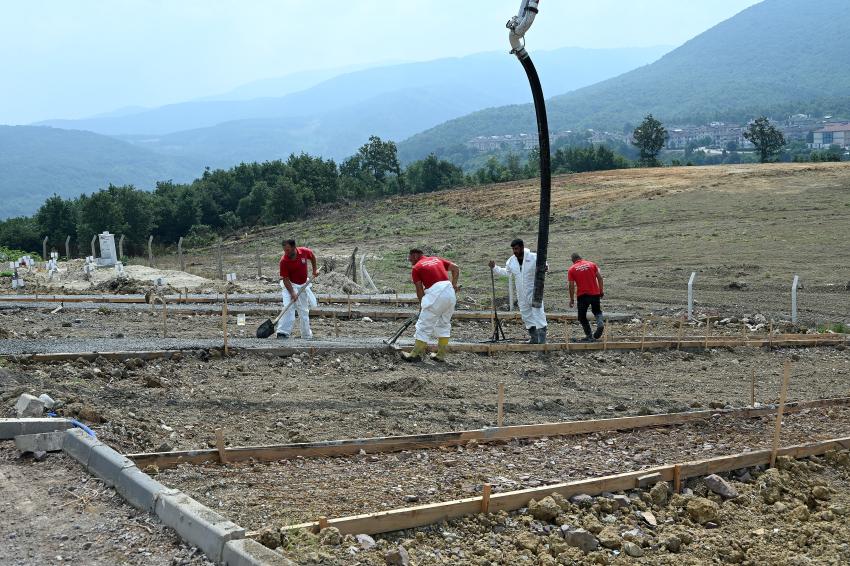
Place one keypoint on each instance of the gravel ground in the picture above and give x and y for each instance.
(53, 512)
(300, 490)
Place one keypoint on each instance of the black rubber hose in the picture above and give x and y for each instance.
(545, 178)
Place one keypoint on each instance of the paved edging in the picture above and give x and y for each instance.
(10, 428)
(222, 540)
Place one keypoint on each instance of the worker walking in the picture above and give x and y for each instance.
(586, 282)
(293, 277)
(437, 300)
(523, 266)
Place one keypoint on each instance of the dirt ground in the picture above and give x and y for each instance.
(53, 512)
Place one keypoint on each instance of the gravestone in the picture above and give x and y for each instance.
(108, 255)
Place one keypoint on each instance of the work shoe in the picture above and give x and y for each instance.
(282, 336)
(541, 335)
(534, 339)
(415, 355)
(599, 331)
(586, 339)
(440, 354)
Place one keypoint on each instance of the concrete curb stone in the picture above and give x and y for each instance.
(78, 445)
(247, 552)
(107, 464)
(198, 524)
(140, 490)
(10, 428)
(41, 442)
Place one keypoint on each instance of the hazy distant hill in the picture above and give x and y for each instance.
(495, 74)
(36, 162)
(777, 57)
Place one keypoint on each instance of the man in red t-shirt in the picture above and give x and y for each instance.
(586, 282)
(293, 277)
(437, 300)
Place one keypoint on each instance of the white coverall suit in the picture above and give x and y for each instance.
(438, 306)
(306, 301)
(524, 281)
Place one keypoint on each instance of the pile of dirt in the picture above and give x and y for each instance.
(338, 284)
(410, 384)
(793, 514)
(135, 279)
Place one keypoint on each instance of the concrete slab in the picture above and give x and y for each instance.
(197, 524)
(78, 445)
(140, 490)
(43, 442)
(107, 464)
(10, 428)
(247, 552)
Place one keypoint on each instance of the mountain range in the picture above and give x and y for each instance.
(776, 58)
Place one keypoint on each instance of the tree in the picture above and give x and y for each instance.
(432, 174)
(766, 138)
(57, 219)
(649, 137)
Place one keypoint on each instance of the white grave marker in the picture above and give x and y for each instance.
(108, 255)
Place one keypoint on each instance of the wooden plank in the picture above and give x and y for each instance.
(330, 448)
(783, 396)
(412, 517)
(486, 490)
(500, 411)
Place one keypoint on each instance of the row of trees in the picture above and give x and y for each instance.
(221, 201)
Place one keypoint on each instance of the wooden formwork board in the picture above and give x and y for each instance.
(164, 460)
(401, 299)
(692, 343)
(422, 515)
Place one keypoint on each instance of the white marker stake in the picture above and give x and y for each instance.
(794, 299)
(691, 295)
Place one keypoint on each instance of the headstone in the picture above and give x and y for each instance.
(108, 255)
(119, 268)
(231, 278)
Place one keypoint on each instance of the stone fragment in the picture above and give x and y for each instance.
(799, 513)
(622, 501)
(649, 517)
(365, 541)
(579, 538)
(44, 442)
(609, 537)
(330, 536)
(397, 557)
(702, 510)
(632, 550)
(29, 406)
(821, 492)
(544, 510)
(582, 500)
(658, 493)
(527, 541)
(720, 486)
(673, 544)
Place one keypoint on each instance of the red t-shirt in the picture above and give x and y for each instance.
(584, 273)
(430, 270)
(296, 269)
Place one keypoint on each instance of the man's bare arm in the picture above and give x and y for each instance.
(455, 271)
(572, 292)
(420, 290)
(601, 282)
(315, 268)
(288, 284)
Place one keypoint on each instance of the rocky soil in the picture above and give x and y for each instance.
(795, 514)
(54, 512)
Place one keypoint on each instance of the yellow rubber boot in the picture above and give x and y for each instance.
(415, 354)
(440, 356)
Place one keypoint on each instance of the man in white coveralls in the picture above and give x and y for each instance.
(522, 265)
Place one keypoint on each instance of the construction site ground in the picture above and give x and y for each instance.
(54, 512)
(745, 230)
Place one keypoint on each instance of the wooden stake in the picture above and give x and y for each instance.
(677, 478)
(485, 498)
(753, 388)
(219, 443)
(605, 334)
(224, 322)
(681, 332)
(743, 333)
(770, 338)
(164, 319)
(500, 412)
(643, 335)
(323, 523)
(336, 326)
(567, 331)
(707, 329)
(349, 306)
(782, 397)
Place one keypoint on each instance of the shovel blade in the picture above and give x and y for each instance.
(266, 329)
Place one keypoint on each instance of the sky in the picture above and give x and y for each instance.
(77, 58)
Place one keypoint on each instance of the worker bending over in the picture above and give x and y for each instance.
(586, 281)
(437, 303)
(293, 278)
(523, 266)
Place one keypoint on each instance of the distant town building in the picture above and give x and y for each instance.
(831, 134)
(525, 142)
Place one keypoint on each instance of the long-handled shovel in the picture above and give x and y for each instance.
(498, 332)
(266, 329)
